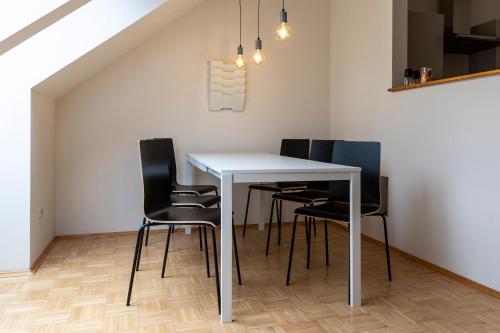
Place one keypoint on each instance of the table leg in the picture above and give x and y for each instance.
(263, 210)
(226, 248)
(355, 240)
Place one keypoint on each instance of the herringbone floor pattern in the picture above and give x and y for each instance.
(82, 285)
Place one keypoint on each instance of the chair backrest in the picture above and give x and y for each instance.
(298, 148)
(156, 177)
(321, 151)
(169, 143)
(365, 155)
(173, 164)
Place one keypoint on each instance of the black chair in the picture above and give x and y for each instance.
(321, 151)
(186, 195)
(186, 200)
(365, 155)
(298, 148)
(159, 211)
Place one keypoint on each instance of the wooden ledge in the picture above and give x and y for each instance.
(444, 81)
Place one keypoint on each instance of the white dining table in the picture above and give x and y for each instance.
(233, 168)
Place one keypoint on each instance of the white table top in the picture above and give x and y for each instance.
(238, 163)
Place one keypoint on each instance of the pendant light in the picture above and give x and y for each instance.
(240, 60)
(258, 55)
(283, 32)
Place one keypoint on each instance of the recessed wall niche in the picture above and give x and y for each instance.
(454, 37)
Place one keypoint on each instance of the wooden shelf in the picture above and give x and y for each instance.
(444, 81)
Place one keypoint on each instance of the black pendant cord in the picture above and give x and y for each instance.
(283, 5)
(240, 23)
(258, 20)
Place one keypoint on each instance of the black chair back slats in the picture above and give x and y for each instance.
(365, 155)
(298, 148)
(321, 151)
(157, 183)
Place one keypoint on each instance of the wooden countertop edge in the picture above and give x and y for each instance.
(445, 81)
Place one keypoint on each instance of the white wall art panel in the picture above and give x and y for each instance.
(226, 87)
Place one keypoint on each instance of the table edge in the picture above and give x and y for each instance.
(344, 169)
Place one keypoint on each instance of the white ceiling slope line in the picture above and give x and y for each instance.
(106, 53)
(68, 39)
(16, 15)
(28, 17)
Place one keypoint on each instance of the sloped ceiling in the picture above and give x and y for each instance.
(32, 23)
(91, 63)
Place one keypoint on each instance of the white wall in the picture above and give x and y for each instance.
(22, 19)
(160, 90)
(15, 15)
(23, 67)
(43, 182)
(440, 146)
(15, 132)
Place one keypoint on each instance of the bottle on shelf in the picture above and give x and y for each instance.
(408, 77)
(416, 77)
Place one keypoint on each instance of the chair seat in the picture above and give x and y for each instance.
(278, 187)
(338, 211)
(195, 200)
(186, 215)
(304, 197)
(194, 189)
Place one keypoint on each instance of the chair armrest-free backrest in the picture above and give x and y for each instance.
(298, 148)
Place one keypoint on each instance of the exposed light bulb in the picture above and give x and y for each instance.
(283, 32)
(258, 57)
(240, 61)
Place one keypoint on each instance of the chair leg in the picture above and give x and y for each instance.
(279, 219)
(246, 212)
(214, 241)
(387, 255)
(166, 252)
(139, 253)
(147, 237)
(270, 225)
(291, 250)
(309, 222)
(327, 256)
(236, 255)
(306, 224)
(206, 250)
(201, 242)
(306, 219)
(138, 245)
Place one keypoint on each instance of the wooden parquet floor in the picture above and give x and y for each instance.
(82, 285)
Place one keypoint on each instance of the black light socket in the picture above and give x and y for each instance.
(240, 50)
(258, 44)
(283, 16)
